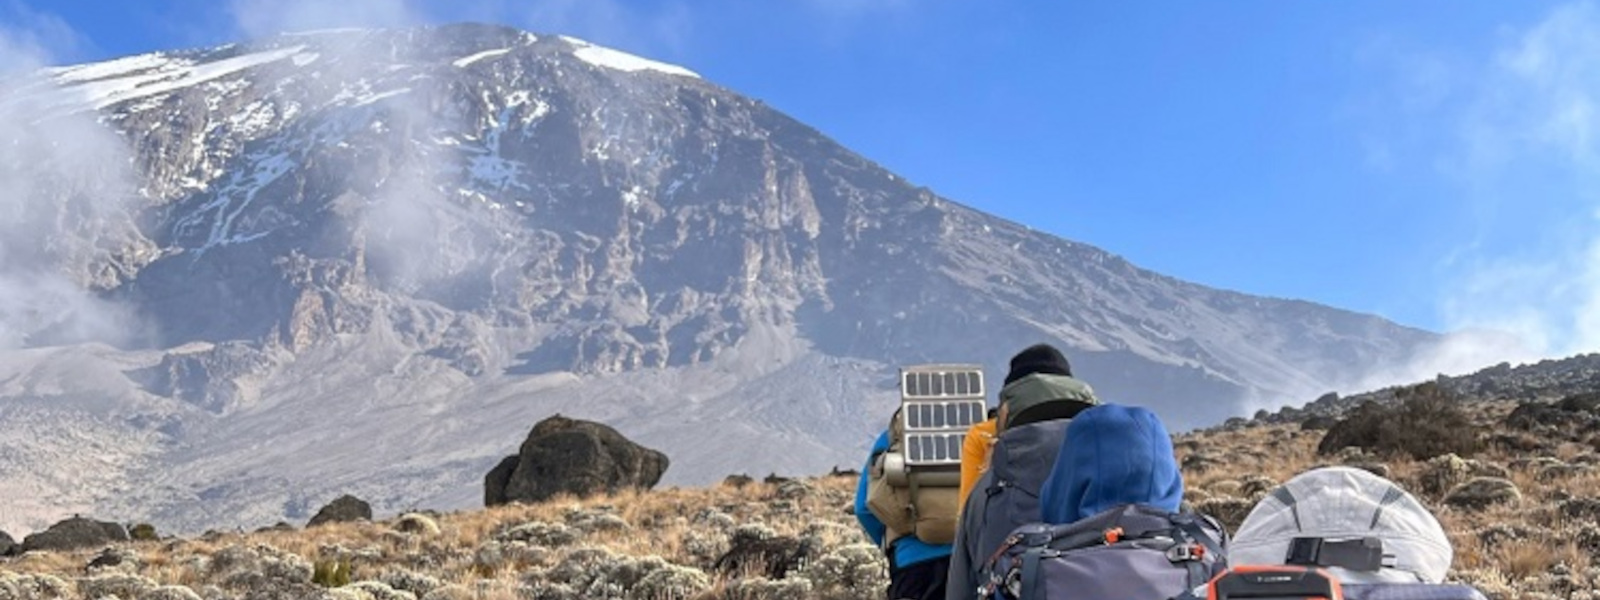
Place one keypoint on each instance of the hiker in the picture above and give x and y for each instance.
(1113, 455)
(1039, 397)
(1371, 535)
(1111, 527)
(916, 568)
(975, 449)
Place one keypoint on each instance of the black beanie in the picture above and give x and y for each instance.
(1038, 358)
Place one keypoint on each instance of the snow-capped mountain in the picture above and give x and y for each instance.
(246, 279)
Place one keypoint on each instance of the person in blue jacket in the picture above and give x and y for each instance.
(1112, 455)
(917, 569)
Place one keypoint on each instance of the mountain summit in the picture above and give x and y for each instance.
(366, 261)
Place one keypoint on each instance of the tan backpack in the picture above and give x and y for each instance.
(921, 504)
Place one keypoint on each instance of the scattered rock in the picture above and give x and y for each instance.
(113, 559)
(759, 552)
(795, 489)
(1201, 462)
(582, 458)
(738, 481)
(775, 479)
(1549, 473)
(344, 509)
(1521, 443)
(1500, 534)
(1444, 473)
(1587, 539)
(1253, 487)
(1483, 492)
(75, 533)
(838, 472)
(1318, 423)
(1581, 509)
(279, 526)
(540, 533)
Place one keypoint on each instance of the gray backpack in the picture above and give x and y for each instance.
(1018, 465)
(1131, 552)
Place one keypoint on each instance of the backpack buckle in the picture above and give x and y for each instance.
(1113, 535)
(1186, 552)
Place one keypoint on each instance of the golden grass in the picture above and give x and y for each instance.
(687, 526)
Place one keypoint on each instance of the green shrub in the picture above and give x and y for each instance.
(331, 573)
(143, 532)
(1426, 422)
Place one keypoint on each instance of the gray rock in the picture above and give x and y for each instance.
(343, 509)
(8, 546)
(582, 458)
(75, 533)
(1483, 492)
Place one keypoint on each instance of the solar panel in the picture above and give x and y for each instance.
(939, 403)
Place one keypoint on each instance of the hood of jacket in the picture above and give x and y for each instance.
(1112, 455)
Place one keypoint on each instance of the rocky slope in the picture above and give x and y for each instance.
(1521, 518)
(251, 278)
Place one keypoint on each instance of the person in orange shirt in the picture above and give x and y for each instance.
(975, 454)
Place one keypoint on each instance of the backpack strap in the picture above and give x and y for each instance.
(1030, 570)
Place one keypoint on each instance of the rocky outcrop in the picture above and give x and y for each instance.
(75, 533)
(344, 509)
(1483, 492)
(563, 455)
(8, 546)
(1574, 414)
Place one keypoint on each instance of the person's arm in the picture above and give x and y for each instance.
(870, 522)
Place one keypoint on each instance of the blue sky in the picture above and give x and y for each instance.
(1432, 161)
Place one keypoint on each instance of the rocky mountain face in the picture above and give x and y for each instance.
(1538, 383)
(259, 276)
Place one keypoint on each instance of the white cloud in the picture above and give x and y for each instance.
(1519, 129)
(258, 18)
(664, 30)
(67, 198)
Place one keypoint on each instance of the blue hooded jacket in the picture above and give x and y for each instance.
(1112, 455)
(908, 550)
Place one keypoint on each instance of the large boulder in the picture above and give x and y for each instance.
(8, 546)
(582, 458)
(344, 509)
(75, 533)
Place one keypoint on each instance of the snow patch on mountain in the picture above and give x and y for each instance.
(466, 61)
(99, 86)
(602, 56)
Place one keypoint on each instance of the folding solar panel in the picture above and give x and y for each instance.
(938, 403)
